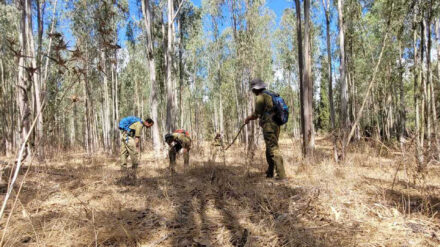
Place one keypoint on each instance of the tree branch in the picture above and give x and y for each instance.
(178, 9)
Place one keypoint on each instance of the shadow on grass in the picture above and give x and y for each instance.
(218, 205)
(212, 205)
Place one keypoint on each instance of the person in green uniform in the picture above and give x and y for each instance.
(216, 146)
(271, 130)
(176, 143)
(131, 129)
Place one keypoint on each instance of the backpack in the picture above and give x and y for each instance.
(280, 109)
(126, 122)
(182, 131)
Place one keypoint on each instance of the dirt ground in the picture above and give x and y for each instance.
(374, 199)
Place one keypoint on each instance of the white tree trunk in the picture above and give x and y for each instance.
(154, 105)
(32, 62)
(308, 83)
(170, 125)
(23, 84)
(106, 104)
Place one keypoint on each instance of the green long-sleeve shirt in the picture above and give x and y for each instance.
(137, 128)
(263, 106)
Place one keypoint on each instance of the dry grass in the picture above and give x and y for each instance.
(78, 201)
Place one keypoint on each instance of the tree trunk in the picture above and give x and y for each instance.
(344, 120)
(170, 124)
(425, 98)
(419, 154)
(33, 63)
(329, 66)
(215, 117)
(301, 73)
(326, 5)
(137, 109)
(181, 69)
(154, 105)
(437, 29)
(308, 84)
(236, 63)
(90, 140)
(222, 127)
(423, 123)
(402, 113)
(432, 113)
(74, 123)
(23, 84)
(114, 125)
(3, 105)
(106, 104)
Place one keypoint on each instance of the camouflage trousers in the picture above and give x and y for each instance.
(128, 148)
(271, 133)
(215, 150)
(172, 153)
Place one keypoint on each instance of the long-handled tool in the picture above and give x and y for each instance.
(235, 138)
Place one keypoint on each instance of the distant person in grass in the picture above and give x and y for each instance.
(217, 146)
(178, 141)
(264, 110)
(131, 128)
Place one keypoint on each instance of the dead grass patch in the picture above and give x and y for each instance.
(78, 201)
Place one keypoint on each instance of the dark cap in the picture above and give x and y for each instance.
(257, 84)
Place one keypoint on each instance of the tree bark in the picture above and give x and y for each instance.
(437, 29)
(301, 73)
(180, 24)
(344, 120)
(154, 105)
(33, 63)
(308, 84)
(23, 84)
(170, 123)
(432, 113)
(106, 103)
(426, 106)
(3, 105)
(416, 74)
(402, 112)
(326, 5)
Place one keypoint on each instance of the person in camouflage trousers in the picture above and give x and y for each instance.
(271, 130)
(177, 142)
(131, 129)
(216, 147)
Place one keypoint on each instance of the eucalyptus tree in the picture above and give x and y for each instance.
(344, 117)
(306, 83)
(25, 56)
(149, 34)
